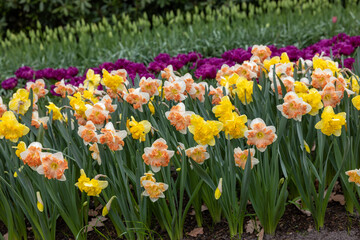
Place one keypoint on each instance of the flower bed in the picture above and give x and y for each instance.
(145, 150)
(340, 45)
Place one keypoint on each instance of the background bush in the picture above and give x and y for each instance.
(23, 15)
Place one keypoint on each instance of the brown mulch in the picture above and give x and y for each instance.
(293, 225)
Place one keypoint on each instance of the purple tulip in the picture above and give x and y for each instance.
(9, 83)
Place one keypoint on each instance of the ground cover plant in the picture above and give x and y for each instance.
(267, 131)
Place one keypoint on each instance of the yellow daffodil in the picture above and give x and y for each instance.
(353, 80)
(56, 111)
(325, 64)
(204, 131)
(244, 90)
(21, 147)
(10, 128)
(218, 190)
(313, 98)
(77, 104)
(151, 108)
(331, 123)
(20, 101)
(300, 87)
(39, 204)
(272, 61)
(139, 130)
(88, 95)
(356, 102)
(223, 111)
(106, 209)
(114, 82)
(284, 58)
(92, 187)
(229, 81)
(307, 148)
(92, 80)
(235, 126)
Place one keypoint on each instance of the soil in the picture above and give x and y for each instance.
(293, 225)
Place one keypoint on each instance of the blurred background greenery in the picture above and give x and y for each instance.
(24, 15)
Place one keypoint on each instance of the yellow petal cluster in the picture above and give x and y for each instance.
(224, 109)
(20, 101)
(244, 90)
(204, 131)
(313, 98)
(77, 104)
(92, 187)
(21, 147)
(356, 102)
(139, 130)
(56, 111)
(92, 80)
(331, 123)
(10, 128)
(114, 82)
(324, 64)
(235, 127)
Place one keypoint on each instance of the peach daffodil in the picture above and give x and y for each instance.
(241, 157)
(179, 118)
(157, 155)
(293, 107)
(198, 153)
(53, 166)
(260, 135)
(32, 155)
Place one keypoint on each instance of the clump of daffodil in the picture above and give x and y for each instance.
(229, 81)
(331, 123)
(204, 131)
(92, 80)
(235, 127)
(91, 187)
(56, 111)
(139, 130)
(20, 101)
(10, 128)
(325, 64)
(300, 87)
(313, 98)
(89, 95)
(224, 109)
(356, 102)
(114, 82)
(274, 60)
(78, 104)
(244, 90)
(233, 124)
